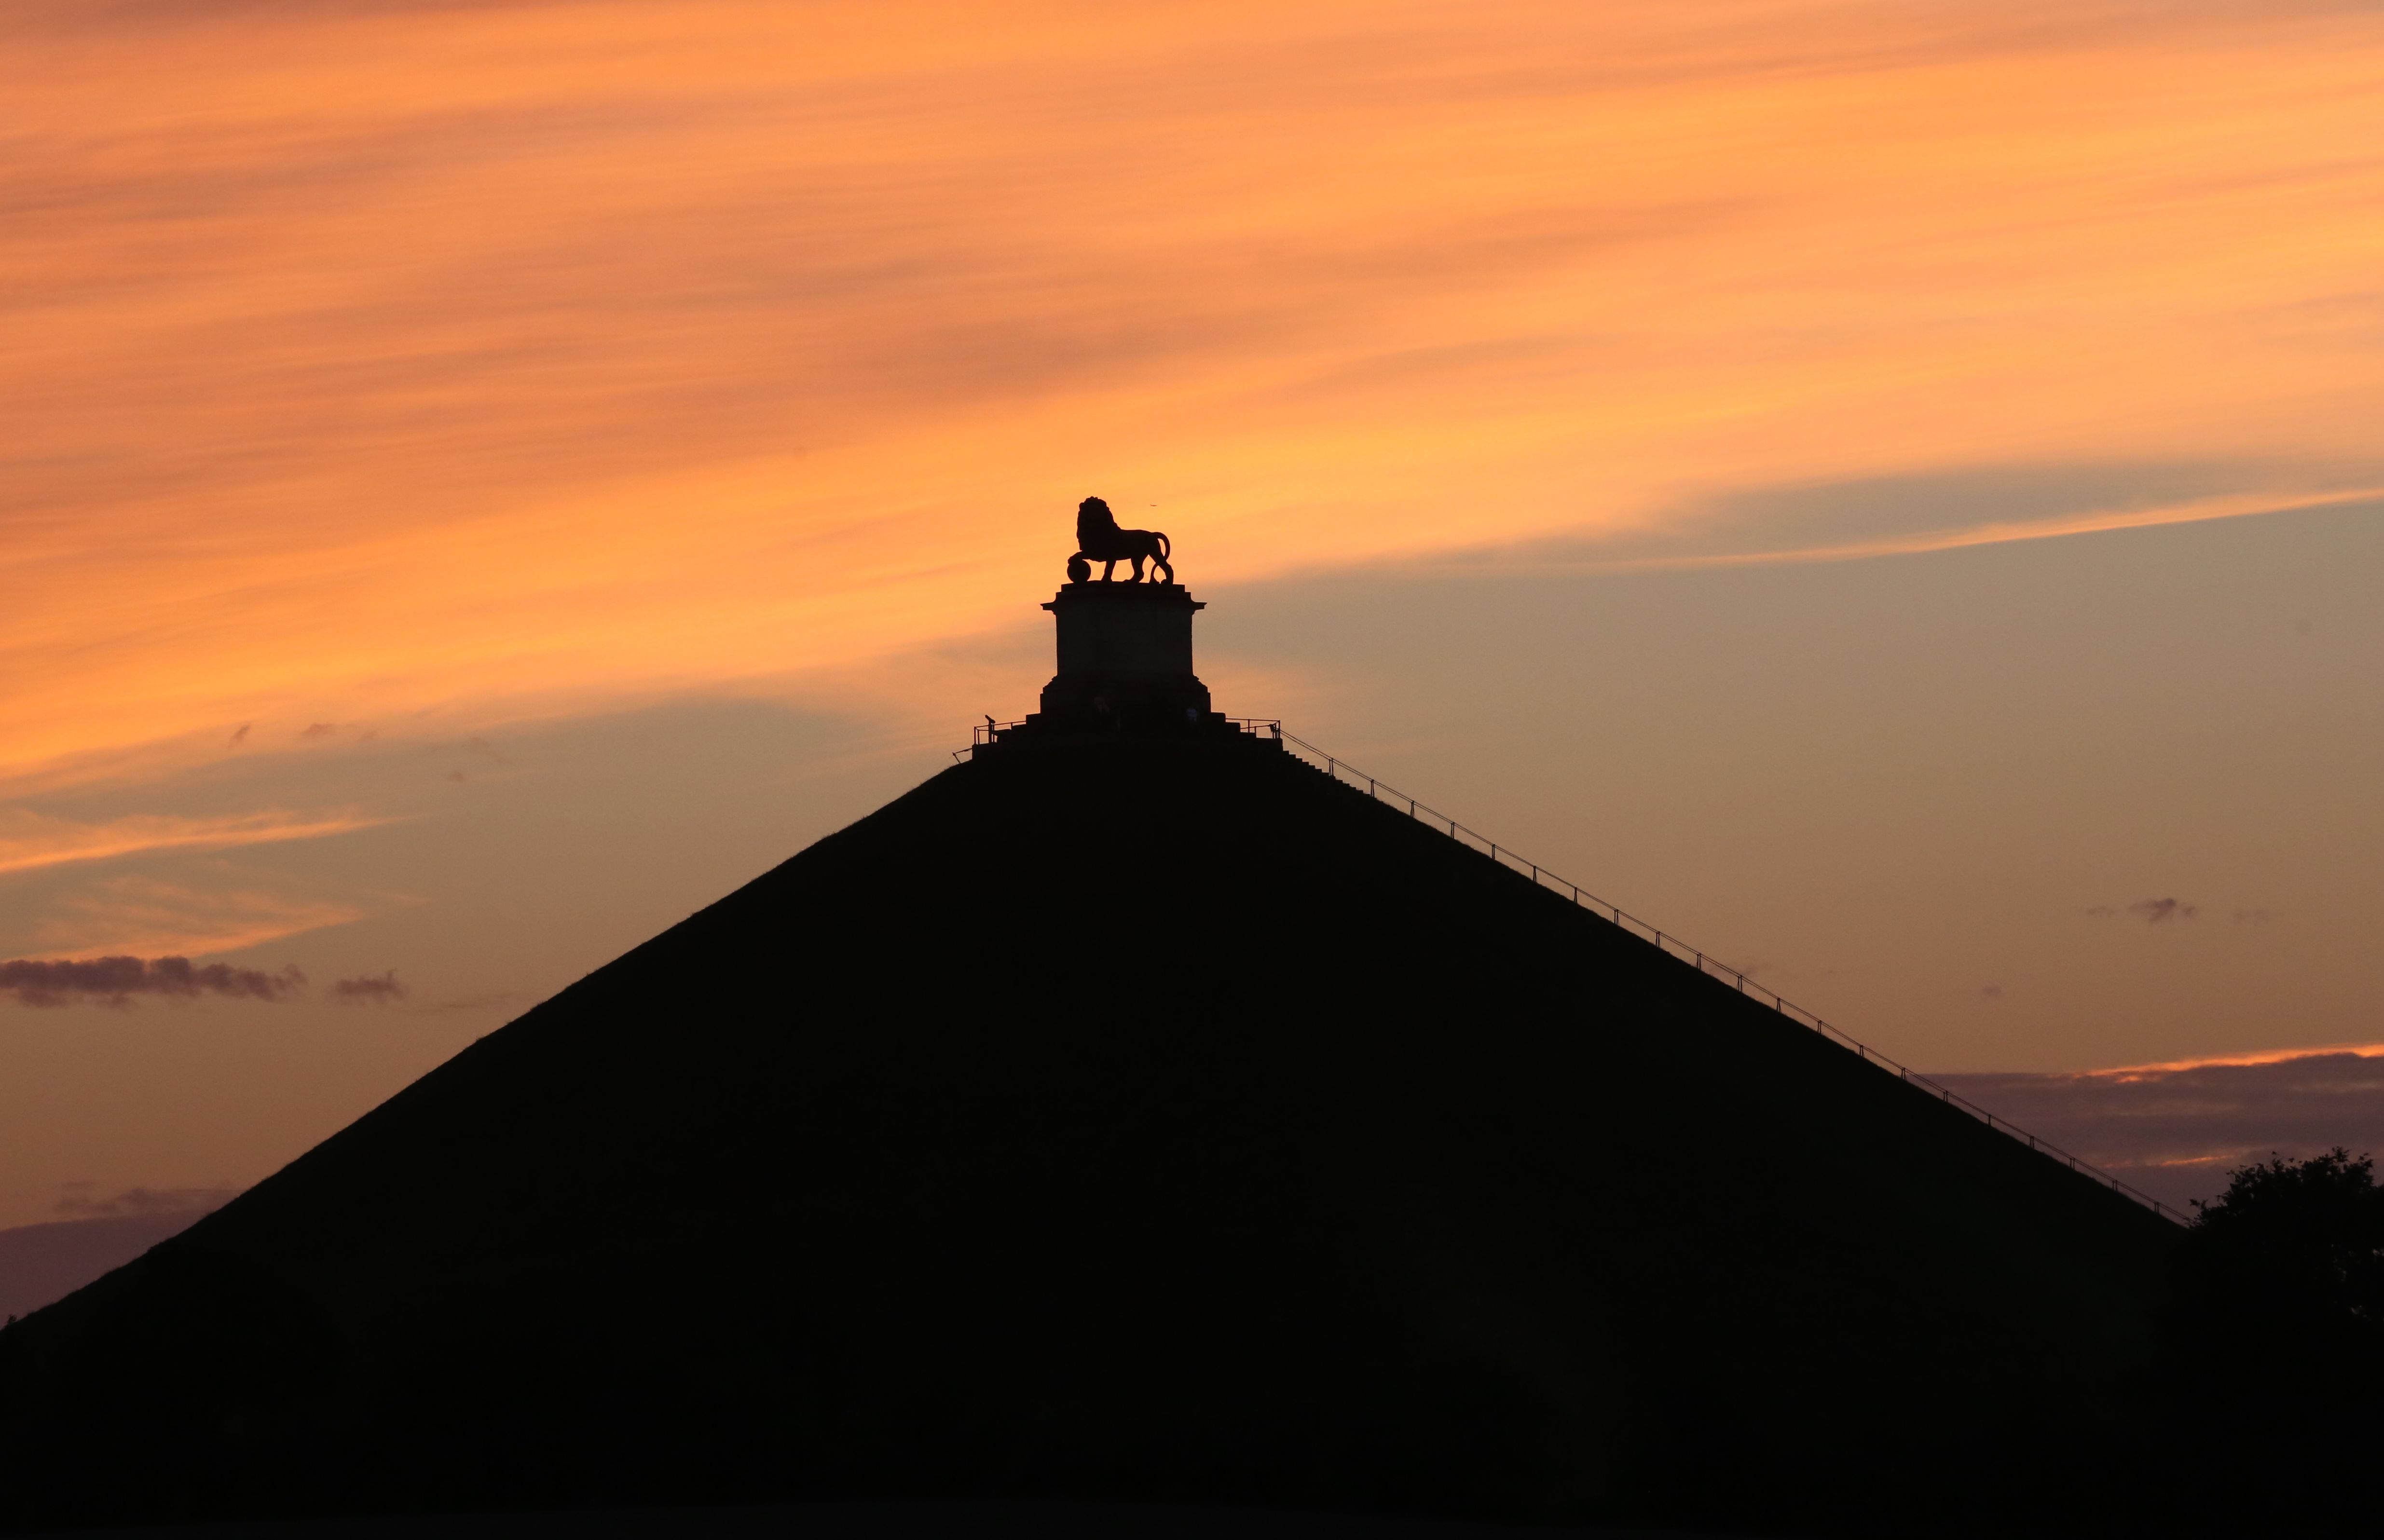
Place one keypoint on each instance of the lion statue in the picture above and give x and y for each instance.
(1098, 538)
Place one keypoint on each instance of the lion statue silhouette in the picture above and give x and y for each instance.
(1098, 538)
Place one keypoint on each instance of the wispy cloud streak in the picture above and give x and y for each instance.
(31, 841)
(1690, 547)
(211, 907)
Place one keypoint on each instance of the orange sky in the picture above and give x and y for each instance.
(382, 375)
(365, 358)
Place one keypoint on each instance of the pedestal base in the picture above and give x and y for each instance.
(1126, 669)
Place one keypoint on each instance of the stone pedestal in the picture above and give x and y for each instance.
(1125, 671)
(1126, 659)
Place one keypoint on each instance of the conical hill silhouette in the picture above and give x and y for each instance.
(1138, 1120)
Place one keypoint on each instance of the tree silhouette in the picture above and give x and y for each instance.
(2274, 1329)
(2280, 1283)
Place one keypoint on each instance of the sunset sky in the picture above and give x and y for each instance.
(1892, 492)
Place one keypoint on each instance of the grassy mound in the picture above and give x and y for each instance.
(1129, 1121)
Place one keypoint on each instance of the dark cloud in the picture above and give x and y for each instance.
(143, 1202)
(369, 990)
(115, 980)
(240, 734)
(2156, 910)
(503, 999)
(319, 729)
(2177, 1130)
(481, 749)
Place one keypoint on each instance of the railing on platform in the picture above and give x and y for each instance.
(1348, 775)
(1257, 727)
(980, 737)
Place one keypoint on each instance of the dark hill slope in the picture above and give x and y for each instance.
(1140, 1123)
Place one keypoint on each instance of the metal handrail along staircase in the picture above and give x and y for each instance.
(1345, 774)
